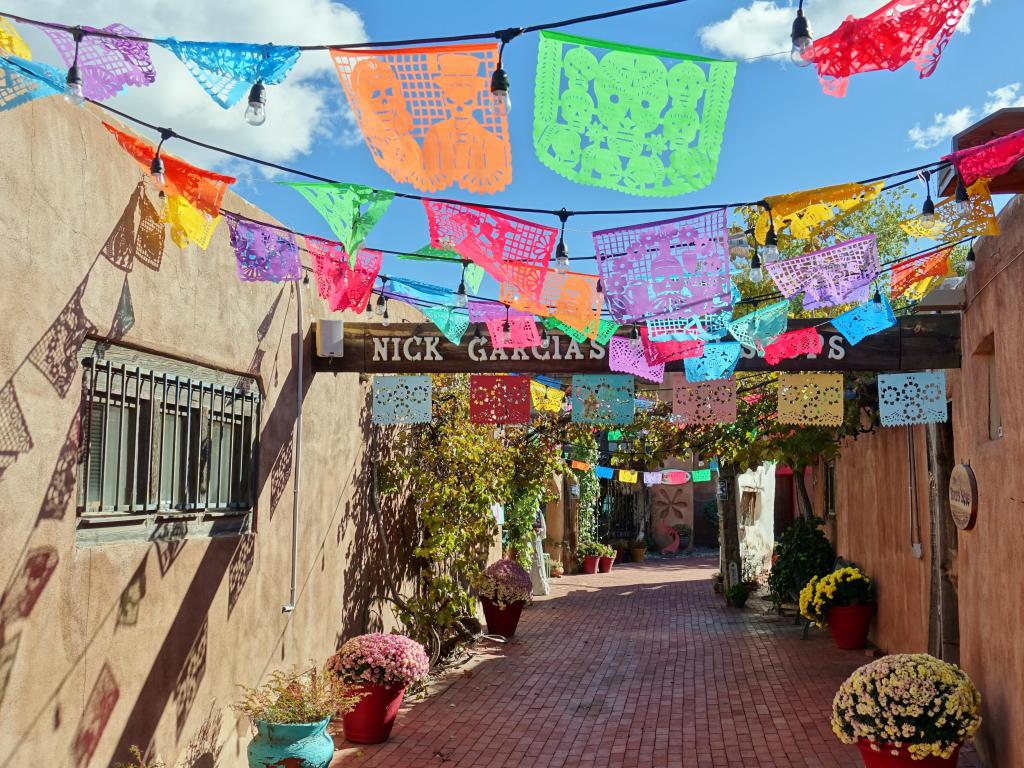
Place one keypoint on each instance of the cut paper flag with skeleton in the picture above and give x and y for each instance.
(804, 341)
(548, 399)
(427, 114)
(989, 160)
(951, 224)
(226, 71)
(603, 399)
(813, 399)
(762, 326)
(899, 32)
(496, 242)
(204, 190)
(666, 273)
(399, 400)
(865, 320)
(508, 328)
(499, 399)
(705, 402)
(22, 81)
(809, 212)
(627, 356)
(568, 296)
(605, 330)
(345, 287)
(718, 362)
(350, 210)
(908, 274)
(912, 398)
(106, 64)
(263, 253)
(637, 120)
(837, 275)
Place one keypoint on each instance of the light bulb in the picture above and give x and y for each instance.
(962, 200)
(256, 112)
(802, 41)
(755, 274)
(771, 252)
(73, 93)
(969, 262)
(500, 98)
(928, 211)
(506, 333)
(156, 171)
(385, 320)
(561, 257)
(460, 298)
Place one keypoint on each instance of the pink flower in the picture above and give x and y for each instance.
(381, 659)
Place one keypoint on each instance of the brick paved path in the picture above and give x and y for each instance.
(640, 668)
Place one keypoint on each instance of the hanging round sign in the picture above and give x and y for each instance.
(963, 497)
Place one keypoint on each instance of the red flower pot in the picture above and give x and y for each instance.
(373, 717)
(620, 555)
(502, 621)
(886, 759)
(590, 563)
(605, 564)
(849, 625)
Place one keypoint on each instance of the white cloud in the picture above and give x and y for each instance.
(945, 126)
(763, 27)
(307, 106)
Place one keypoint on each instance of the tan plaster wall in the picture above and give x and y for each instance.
(145, 644)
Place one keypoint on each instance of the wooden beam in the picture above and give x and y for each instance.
(915, 343)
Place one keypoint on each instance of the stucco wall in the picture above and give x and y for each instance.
(145, 644)
(757, 541)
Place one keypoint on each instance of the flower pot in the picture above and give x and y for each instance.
(620, 555)
(371, 720)
(502, 621)
(638, 553)
(590, 563)
(849, 625)
(306, 744)
(886, 759)
(605, 564)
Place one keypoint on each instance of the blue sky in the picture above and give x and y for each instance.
(782, 133)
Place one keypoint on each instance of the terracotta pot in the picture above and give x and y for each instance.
(849, 625)
(371, 720)
(638, 553)
(886, 759)
(604, 565)
(590, 563)
(502, 621)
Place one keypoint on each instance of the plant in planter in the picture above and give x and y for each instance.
(290, 713)
(804, 551)
(379, 668)
(844, 600)
(638, 550)
(620, 546)
(685, 534)
(907, 710)
(607, 556)
(557, 569)
(504, 588)
(590, 553)
(737, 595)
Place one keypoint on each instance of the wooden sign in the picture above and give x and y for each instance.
(963, 497)
(914, 343)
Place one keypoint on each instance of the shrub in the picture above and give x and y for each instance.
(737, 594)
(908, 700)
(845, 586)
(296, 697)
(139, 761)
(505, 582)
(589, 549)
(606, 551)
(804, 552)
(380, 659)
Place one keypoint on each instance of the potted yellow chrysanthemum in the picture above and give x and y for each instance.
(844, 600)
(907, 710)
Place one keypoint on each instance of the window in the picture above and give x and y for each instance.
(165, 442)
(830, 488)
(748, 508)
(986, 355)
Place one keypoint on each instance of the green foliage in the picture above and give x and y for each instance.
(296, 697)
(590, 549)
(737, 595)
(584, 448)
(803, 553)
(139, 761)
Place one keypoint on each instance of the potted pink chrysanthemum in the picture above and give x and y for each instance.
(378, 668)
(504, 588)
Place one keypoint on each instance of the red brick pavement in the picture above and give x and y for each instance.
(640, 668)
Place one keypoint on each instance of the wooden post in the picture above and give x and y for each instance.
(728, 530)
(571, 510)
(944, 613)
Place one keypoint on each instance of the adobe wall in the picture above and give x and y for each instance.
(109, 646)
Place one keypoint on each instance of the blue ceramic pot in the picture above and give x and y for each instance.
(305, 744)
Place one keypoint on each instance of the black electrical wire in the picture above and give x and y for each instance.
(500, 34)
